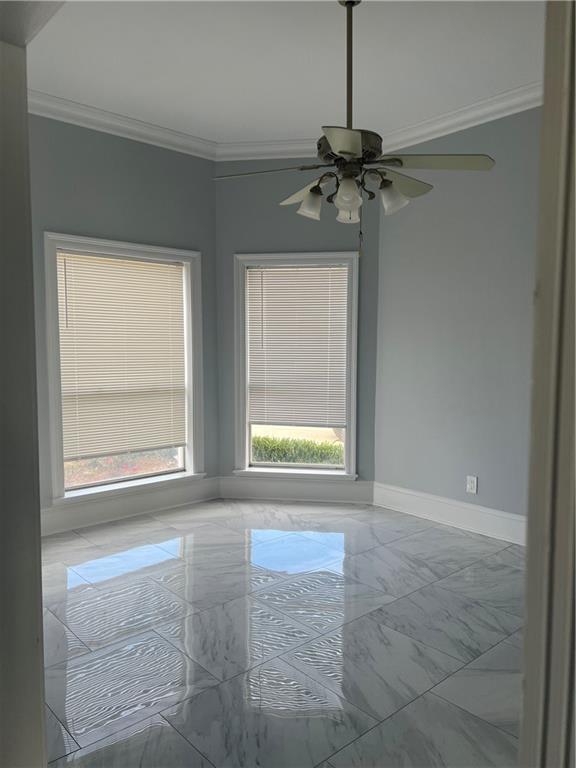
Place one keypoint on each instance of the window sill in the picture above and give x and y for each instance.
(129, 486)
(296, 474)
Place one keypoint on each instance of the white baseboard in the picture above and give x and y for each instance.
(80, 513)
(301, 489)
(459, 514)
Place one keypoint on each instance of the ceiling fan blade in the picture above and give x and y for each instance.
(297, 197)
(274, 170)
(343, 141)
(440, 162)
(406, 184)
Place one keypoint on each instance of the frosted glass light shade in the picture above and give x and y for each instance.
(348, 197)
(392, 199)
(311, 206)
(348, 217)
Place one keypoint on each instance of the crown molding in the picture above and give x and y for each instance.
(67, 111)
(502, 105)
(266, 150)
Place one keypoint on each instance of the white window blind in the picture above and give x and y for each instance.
(122, 355)
(297, 345)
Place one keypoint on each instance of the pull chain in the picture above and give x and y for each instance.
(360, 234)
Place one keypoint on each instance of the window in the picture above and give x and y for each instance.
(124, 376)
(297, 362)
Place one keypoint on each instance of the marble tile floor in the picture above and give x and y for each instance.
(281, 635)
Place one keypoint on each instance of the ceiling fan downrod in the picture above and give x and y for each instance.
(349, 5)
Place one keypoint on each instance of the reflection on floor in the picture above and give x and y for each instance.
(281, 635)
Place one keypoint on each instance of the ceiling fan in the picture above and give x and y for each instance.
(356, 159)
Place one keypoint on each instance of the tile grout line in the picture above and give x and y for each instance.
(448, 575)
(59, 620)
(380, 544)
(381, 722)
(137, 631)
(432, 583)
(145, 715)
(254, 669)
(155, 629)
(342, 696)
(429, 584)
(420, 696)
(473, 714)
(67, 731)
(170, 725)
(435, 581)
(186, 739)
(456, 658)
(211, 674)
(471, 565)
(344, 623)
(472, 661)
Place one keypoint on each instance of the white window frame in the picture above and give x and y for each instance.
(242, 449)
(55, 243)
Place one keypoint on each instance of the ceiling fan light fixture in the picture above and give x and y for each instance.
(348, 197)
(311, 204)
(348, 217)
(392, 199)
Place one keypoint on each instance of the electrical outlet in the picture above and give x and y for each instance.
(471, 484)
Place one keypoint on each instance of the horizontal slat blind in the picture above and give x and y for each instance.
(122, 359)
(296, 331)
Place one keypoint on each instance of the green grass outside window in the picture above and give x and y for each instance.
(288, 450)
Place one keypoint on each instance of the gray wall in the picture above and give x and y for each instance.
(97, 185)
(456, 281)
(445, 306)
(249, 220)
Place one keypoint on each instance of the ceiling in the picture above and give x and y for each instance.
(249, 79)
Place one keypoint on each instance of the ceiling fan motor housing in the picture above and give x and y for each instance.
(371, 148)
